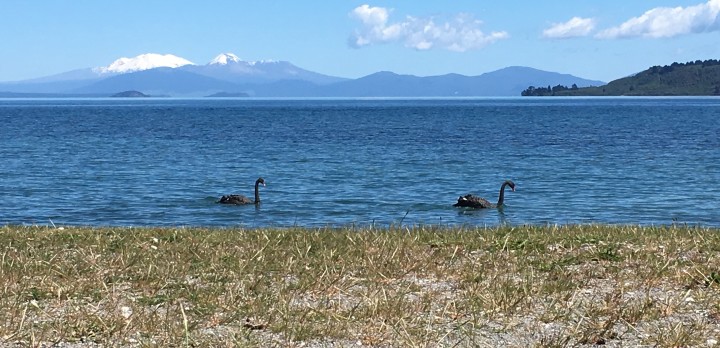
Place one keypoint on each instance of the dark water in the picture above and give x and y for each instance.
(338, 162)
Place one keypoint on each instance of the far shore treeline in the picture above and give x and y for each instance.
(698, 78)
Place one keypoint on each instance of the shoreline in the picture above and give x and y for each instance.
(574, 285)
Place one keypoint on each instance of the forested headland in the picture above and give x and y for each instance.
(698, 78)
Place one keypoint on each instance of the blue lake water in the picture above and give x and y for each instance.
(164, 162)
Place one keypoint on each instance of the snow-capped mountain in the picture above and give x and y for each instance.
(79, 77)
(143, 62)
(230, 59)
(224, 59)
(225, 66)
(229, 67)
(226, 70)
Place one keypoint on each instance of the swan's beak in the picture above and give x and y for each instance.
(513, 189)
(264, 185)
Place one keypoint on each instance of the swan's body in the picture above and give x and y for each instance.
(242, 200)
(476, 202)
(235, 199)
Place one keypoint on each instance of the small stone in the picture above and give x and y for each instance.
(126, 311)
(711, 342)
(689, 299)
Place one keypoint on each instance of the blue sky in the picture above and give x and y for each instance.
(602, 40)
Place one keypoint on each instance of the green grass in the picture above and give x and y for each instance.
(418, 286)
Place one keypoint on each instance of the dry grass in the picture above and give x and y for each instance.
(424, 286)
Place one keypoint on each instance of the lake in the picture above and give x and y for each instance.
(327, 162)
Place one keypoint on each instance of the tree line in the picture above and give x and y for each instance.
(669, 68)
(533, 91)
(656, 83)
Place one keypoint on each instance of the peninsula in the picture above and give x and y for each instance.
(698, 78)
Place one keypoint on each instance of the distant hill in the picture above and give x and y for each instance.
(504, 82)
(158, 81)
(130, 94)
(698, 78)
(513, 79)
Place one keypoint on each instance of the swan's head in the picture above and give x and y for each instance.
(260, 181)
(511, 184)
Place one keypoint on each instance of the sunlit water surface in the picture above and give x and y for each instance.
(121, 162)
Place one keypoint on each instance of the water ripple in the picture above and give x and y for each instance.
(338, 162)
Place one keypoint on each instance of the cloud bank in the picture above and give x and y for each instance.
(663, 22)
(575, 27)
(459, 34)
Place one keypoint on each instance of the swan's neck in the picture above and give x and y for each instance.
(501, 199)
(257, 193)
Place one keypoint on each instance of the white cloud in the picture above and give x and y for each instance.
(575, 27)
(663, 22)
(459, 34)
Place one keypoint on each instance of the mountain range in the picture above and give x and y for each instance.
(226, 74)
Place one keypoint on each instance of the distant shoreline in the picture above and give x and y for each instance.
(211, 97)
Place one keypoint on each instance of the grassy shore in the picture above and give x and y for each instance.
(399, 287)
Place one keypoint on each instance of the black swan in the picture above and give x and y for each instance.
(242, 200)
(480, 203)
